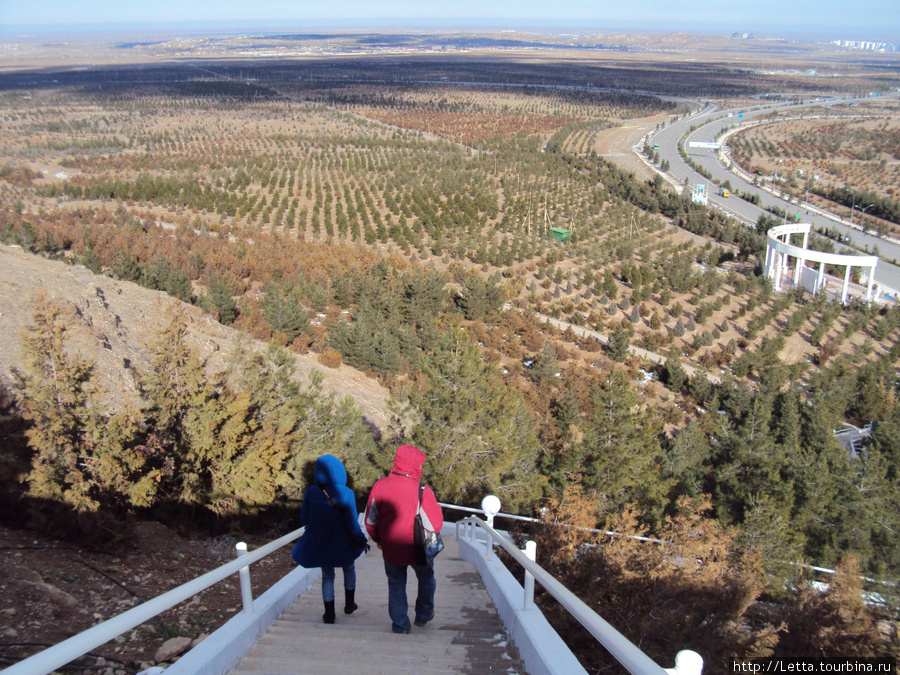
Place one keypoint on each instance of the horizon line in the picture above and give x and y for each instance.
(523, 25)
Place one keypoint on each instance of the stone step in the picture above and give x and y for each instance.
(363, 662)
(476, 626)
(402, 646)
(318, 668)
(465, 636)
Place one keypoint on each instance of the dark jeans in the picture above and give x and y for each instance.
(397, 605)
(328, 580)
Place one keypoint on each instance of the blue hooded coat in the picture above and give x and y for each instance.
(333, 537)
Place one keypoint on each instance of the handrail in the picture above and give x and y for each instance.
(469, 509)
(651, 540)
(538, 520)
(76, 646)
(623, 650)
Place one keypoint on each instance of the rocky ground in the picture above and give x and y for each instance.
(53, 589)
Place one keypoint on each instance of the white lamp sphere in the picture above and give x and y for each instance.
(490, 505)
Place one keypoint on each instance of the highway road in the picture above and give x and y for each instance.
(708, 124)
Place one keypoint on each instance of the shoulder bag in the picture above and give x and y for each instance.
(426, 543)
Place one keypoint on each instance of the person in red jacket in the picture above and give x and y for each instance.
(390, 513)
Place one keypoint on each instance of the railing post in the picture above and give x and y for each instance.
(244, 576)
(687, 662)
(528, 585)
(491, 507)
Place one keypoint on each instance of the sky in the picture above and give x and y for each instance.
(876, 20)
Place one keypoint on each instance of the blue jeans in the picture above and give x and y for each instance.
(397, 605)
(328, 581)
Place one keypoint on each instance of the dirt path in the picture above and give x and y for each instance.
(616, 144)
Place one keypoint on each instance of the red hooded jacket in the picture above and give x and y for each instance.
(393, 503)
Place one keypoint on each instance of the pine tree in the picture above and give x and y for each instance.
(478, 297)
(222, 298)
(687, 459)
(674, 372)
(619, 454)
(182, 408)
(424, 296)
(751, 462)
(56, 402)
(546, 366)
(282, 307)
(700, 387)
(478, 433)
(618, 344)
(83, 458)
(92, 261)
(296, 425)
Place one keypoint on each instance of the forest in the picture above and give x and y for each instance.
(405, 231)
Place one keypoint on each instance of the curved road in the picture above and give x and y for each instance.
(709, 124)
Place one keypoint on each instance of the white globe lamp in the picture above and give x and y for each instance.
(491, 507)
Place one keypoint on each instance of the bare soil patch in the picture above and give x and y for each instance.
(616, 144)
(52, 590)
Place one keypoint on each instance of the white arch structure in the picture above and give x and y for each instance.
(779, 250)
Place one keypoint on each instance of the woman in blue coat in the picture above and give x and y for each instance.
(333, 537)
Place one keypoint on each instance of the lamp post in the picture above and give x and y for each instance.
(491, 507)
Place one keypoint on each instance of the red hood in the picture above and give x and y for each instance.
(408, 461)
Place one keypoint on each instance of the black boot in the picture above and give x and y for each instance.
(328, 616)
(350, 606)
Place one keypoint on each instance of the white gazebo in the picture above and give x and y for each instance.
(779, 251)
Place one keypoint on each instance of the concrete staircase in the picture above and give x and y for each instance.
(465, 636)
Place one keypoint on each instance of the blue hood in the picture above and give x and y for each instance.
(330, 471)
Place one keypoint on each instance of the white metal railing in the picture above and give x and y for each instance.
(76, 646)
(538, 520)
(687, 662)
(469, 509)
(651, 540)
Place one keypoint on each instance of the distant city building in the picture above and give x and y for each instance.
(742, 36)
(866, 45)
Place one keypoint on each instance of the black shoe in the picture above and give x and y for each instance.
(349, 605)
(422, 622)
(328, 616)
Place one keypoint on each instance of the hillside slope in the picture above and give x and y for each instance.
(112, 321)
